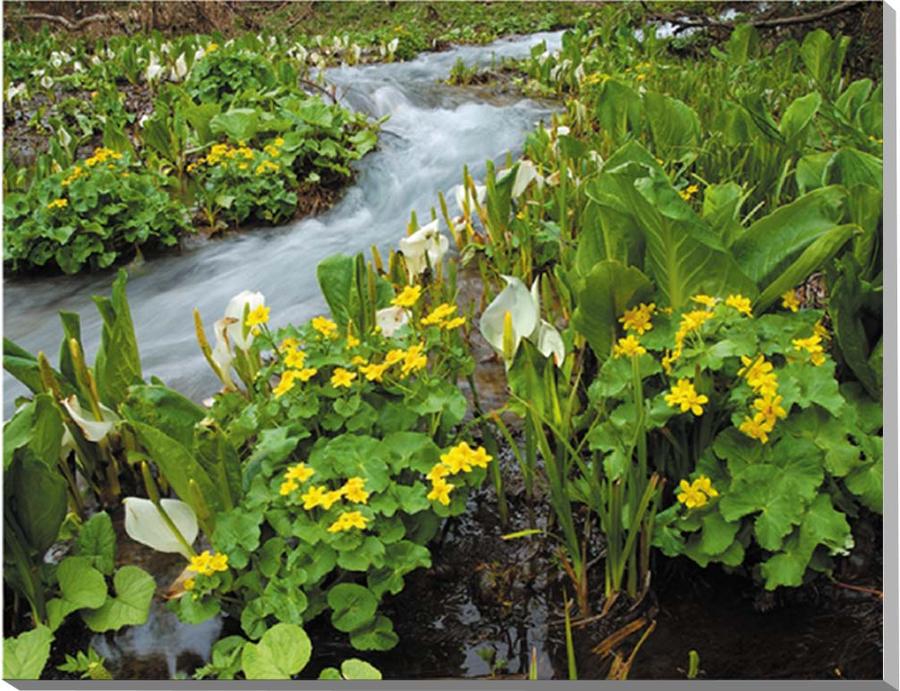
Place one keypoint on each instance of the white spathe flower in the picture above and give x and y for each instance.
(154, 70)
(525, 175)
(14, 91)
(198, 55)
(64, 137)
(393, 45)
(96, 60)
(145, 524)
(518, 302)
(180, 69)
(390, 319)
(234, 315)
(46, 81)
(463, 196)
(524, 309)
(78, 67)
(93, 429)
(222, 354)
(426, 247)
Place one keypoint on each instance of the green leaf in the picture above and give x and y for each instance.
(80, 583)
(674, 124)
(283, 651)
(97, 541)
(867, 483)
(798, 116)
(770, 244)
(379, 635)
(607, 291)
(118, 363)
(237, 534)
(358, 669)
(336, 274)
(353, 606)
(40, 500)
(812, 259)
(238, 124)
(134, 591)
(25, 656)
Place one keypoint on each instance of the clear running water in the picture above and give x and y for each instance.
(432, 132)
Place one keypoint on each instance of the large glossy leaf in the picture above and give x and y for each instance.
(25, 656)
(766, 248)
(674, 125)
(283, 651)
(39, 501)
(165, 409)
(238, 124)
(606, 292)
(799, 115)
(118, 362)
(130, 606)
(336, 274)
(812, 259)
(846, 308)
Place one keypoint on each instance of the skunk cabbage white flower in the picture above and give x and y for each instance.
(199, 54)
(234, 317)
(221, 354)
(154, 69)
(390, 319)
(426, 247)
(46, 81)
(145, 524)
(77, 67)
(179, 70)
(516, 314)
(393, 45)
(525, 175)
(64, 137)
(463, 196)
(14, 91)
(94, 430)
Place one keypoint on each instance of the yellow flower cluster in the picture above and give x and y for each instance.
(740, 303)
(459, 459)
(688, 192)
(290, 377)
(267, 166)
(76, 173)
(61, 203)
(347, 521)
(767, 406)
(443, 317)
(813, 346)
(697, 493)
(790, 301)
(207, 564)
(295, 476)
(690, 322)
(102, 155)
(638, 318)
(325, 326)
(628, 347)
(407, 297)
(685, 396)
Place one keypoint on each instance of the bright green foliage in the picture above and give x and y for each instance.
(91, 214)
(25, 655)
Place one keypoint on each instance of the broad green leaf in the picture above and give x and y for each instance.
(798, 116)
(118, 363)
(97, 541)
(283, 651)
(134, 589)
(164, 409)
(358, 669)
(336, 274)
(770, 244)
(608, 290)
(25, 656)
(39, 501)
(379, 635)
(238, 124)
(814, 258)
(353, 606)
(674, 125)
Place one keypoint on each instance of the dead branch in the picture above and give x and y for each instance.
(683, 23)
(67, 23)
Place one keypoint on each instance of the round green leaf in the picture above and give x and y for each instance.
(354, 606)
(282, 652)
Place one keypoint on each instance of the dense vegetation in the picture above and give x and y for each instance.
(684, 286)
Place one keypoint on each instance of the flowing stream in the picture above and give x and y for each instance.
(433, 130)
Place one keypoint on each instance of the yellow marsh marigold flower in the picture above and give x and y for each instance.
(684, 395)
(820, 330)
(347, 521)
(190, 583)
(211, 47)
(414, 359)
(207, 564)
(440, 491)
(258, 316)
(759, 375)
(314, 497)
(342, 378)
(374, 372)
(267, 166)
(480, 458)
(299, 472)
(628, 347)
(285, 384)
(770, 408)
(451, 324)
(61, 203)
(740, 303)
(287, 487)
(704, 484)
(352, 341)
(689, 192)
(705, 300)
(439, 315)
(691, 321)
(324, 326)
(354, 490)
(408, 297)
(288, 344)
(789, 301)
(306, 373)
(330, 498)
(295, 359)
(394, 356)
(638, 318)
(437, 472)
(757, 427)
(271, 150)
(279, 141)
(690, 495)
